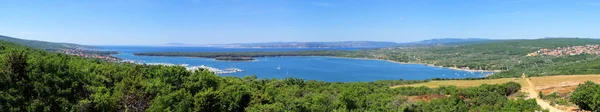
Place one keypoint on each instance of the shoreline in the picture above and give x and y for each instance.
(255, 60)
(453, 68)
(425, 64)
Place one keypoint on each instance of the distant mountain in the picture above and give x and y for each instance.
(176, 44)
(42, 44)
(342, 44)
(448, 41)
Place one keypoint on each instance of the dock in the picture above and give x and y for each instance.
(215, 70)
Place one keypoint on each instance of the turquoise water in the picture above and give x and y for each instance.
(311, 68)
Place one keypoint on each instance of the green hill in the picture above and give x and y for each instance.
(42, 44)
(508, 56)
(37, 80)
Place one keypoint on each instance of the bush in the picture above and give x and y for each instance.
(587, 96)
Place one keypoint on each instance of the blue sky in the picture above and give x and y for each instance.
(151, 22)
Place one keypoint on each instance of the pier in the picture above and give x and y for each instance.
(191, 68)
(215, 70)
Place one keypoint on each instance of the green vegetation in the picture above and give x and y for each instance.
(587, 96)
(42, 44)
(65, 48)
(508, 56)
(102, 53)
(341, 44)
(35, 80)
(556, 98)
(234, 58)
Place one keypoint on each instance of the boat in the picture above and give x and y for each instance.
(279, 67)
(215, 70)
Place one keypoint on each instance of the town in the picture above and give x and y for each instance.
(568, 51)
(103, 55)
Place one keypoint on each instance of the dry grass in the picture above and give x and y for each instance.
(541, 83)
(563, 84)
(563, 81)
(464, 83)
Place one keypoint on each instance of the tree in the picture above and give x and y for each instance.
(587, 96)
(18, 89)
(208, 101)
(34, 80)
(17, 65)
(511, 87)
(132, 89)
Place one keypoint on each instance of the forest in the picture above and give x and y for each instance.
(37, 80)
(44, 44)
(508, 57)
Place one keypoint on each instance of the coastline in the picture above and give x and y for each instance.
(255, 60)
(453, 68)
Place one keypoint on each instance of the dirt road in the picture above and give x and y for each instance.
(534, 94)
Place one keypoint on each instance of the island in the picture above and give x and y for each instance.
(230, 58)
(244, 56)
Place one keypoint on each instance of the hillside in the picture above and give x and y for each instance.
(65, 48)
(42, 44)
(36, 80)
(448, 41)
(345, 44)
(509, 56)
(243, 54)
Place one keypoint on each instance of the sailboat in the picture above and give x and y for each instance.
(279, 67)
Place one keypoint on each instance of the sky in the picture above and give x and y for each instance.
(153, 22)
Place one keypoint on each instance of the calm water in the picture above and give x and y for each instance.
(311, 68)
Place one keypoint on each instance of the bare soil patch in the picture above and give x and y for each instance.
(563, 82)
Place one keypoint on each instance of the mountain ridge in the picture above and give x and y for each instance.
(43, 44)
(338, 44)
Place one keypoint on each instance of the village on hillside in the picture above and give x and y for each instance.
(568, 51)
(103, 55)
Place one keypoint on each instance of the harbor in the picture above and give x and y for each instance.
(191, 68)
(215, 70)
(313, 67)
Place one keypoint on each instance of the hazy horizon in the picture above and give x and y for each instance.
(167, 43)
(225, 22)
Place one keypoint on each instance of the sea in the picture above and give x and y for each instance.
(320, 68)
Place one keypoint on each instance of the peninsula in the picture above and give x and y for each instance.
(234, 58)
(243, 56)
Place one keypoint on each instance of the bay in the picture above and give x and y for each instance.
(330, 69)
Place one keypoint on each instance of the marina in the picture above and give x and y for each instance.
(215, 70)
(329, 69)
(190, 68)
